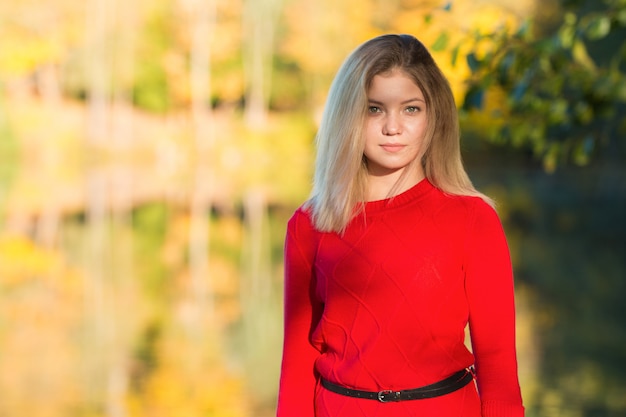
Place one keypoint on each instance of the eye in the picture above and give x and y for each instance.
(373, 109)
(412, 109)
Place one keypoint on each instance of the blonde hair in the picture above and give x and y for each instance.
(340, 178)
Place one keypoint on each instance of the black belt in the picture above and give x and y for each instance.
(445, 386)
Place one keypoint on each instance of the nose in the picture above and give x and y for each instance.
(391, 125)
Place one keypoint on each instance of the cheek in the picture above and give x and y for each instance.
(371, 127)
(366, 150)
(371, 134)
(424, 144)
(420, 131)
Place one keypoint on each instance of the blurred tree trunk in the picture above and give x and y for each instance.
(262, 324)
(259, 19)
(109, 290)
(201, 16)
(98, 70)
(123, 292)
(46, 79)
(97, 130)
(48, 84)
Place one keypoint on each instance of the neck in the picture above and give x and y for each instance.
(382, 187)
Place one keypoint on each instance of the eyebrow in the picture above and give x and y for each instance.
(404, 102)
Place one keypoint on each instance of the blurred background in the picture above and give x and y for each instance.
(151, 152)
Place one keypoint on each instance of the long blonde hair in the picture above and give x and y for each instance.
(340, 179)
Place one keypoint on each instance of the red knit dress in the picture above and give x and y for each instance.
(385, 306)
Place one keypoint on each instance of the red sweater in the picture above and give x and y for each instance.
(385, 306)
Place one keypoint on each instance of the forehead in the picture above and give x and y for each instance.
(394, 83)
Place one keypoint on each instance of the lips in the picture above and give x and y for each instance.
(392, 147)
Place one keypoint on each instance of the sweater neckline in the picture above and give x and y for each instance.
(416, 192)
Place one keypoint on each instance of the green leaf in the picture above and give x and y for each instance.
(582, 151)
(518, 91)
(524, 30)
(551, 157)
(579, 51)
(583, 112)
(567, 32)
(455, 55)
(474, 98)
(473, 62)
(598, 28)
(441, 42)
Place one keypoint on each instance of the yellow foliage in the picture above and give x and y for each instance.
(21, 261)
(224, 278)
(40, 301)
(490, 18)
(230, 231)
(190, 381)
(16, 59)
(320, 36)
(31, 36)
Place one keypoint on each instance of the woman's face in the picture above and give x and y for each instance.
(395, 125)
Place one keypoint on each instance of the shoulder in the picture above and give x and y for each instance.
(482, 219)
(468, 204)
(302, 238)
(483, 213)
(473, 211)
(302, 213)
(301, 220)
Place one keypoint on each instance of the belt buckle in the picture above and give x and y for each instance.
(382, 396)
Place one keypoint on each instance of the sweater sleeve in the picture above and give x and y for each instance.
(490, 293)
(302, 311)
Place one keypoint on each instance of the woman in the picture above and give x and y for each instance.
(394, 254)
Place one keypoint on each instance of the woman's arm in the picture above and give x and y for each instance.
(489, 287)
(302, 311)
